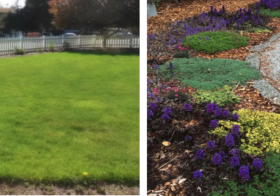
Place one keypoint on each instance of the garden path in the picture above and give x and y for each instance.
(265, 57)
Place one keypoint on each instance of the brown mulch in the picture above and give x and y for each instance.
(169, 11)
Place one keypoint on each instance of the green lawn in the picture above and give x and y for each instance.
(62, 114)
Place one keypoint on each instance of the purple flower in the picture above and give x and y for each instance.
(148, 89)
(213, 123)
(225, 113)
(150, 113)
(171, 66)
(165, 117)
(244, 172)
(199, 154)
(172, 74)
(229, 140)
(234, 161)
(257, 163)
(158, 99)
(207, 38)
(151, 95)
(156, 66)
(217, 159)
(235, 117)
(153, 106)
(197, 174)
(235, 130)
(187, 137)
(167, 110)
(200, 37)
(234, 152)
(209, 108)
(148, 81)
(218, 112)
(211, 144)
(187, 107)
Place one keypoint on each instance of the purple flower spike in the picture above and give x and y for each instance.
(167, 110)
(150, 113)
(229, 140)
(197, 174)
(217, 159)
(148, 81)
(225, 113)
(210, 108)
(235, 117)
(187, 137)
(171, 66)
(199, 154)
(211, 145)
(158, 99)
(244, 172)
(153, 106)
(235, 130)
(151, 95)
(165, 117)
(207, 38)
(156, 66)
(234, 161)
(257, 163)
(213, 123)
(218, 112)
(187, 107)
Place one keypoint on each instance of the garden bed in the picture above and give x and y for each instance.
(181, 160)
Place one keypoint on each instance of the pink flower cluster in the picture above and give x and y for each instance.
(179, 46)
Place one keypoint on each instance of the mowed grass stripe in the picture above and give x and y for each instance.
(62, 114)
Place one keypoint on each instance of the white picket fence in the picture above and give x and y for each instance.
(34, 44)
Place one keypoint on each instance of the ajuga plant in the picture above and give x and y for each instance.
(214, 20)
(213, 42)
(222, 96)
(201, 165)
(210, 74)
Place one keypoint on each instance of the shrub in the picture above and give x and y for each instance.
(209, 74)
(213, 42)
(51, 47)
(66, 45)
(19, 51)
(261, 131)
(221, 97)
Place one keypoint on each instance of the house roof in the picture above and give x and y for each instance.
(6, 10)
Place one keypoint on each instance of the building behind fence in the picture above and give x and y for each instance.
(35, 44)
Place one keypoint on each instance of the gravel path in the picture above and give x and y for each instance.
(266, 58)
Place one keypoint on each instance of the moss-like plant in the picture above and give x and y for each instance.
(268, 12)
(221, 97)
(209, 74)
(213, 42)
(260, 128)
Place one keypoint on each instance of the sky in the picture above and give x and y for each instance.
(9, 3)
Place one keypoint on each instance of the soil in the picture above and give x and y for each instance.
(42, 189)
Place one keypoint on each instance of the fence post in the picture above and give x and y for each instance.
(21, 42)
(79, 41)
(44, 43)
(130, 42)
(62, 40)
